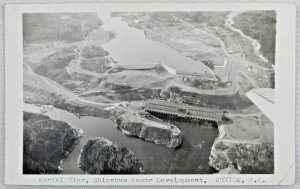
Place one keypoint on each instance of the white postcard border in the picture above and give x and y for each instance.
(285, 96)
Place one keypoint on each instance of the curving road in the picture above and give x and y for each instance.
(61, 90)
(208, 34)
(229, 22)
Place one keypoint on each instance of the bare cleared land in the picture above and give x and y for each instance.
(81, 76)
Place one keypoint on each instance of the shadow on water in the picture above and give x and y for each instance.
(190, 158)
(193, 155)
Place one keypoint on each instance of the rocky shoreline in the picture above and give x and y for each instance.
(134, 121)
(240, 156)
(170, 136)
(225, 157)
(47, 143)
(139, 124)
(101, 156)
(234, 157)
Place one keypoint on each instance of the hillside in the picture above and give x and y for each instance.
(262, 27)
(47, 27)
(46, 143)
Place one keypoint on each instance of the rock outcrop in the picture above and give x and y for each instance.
(46, 143)
(101, 156)
(240, 156)
(157, 132)
(246, 158)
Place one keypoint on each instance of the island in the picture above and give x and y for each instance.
(47, 143)
(101, 156)
(175, 101)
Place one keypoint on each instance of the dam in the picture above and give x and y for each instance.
(207, 113)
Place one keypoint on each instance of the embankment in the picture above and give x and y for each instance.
(43, 97)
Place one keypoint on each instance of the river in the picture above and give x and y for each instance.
(132, 47)
(191, 157)
(255, 44)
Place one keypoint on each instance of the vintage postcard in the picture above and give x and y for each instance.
(150, 94)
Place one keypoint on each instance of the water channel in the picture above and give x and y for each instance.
(255, 44)
(132, 47)
(191, 157)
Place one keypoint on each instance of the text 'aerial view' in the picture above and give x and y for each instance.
(160, 92)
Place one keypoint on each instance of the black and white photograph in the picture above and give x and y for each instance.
(150, 92)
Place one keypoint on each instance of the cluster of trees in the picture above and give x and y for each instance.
(101, 156)
(54, 64)
(253, 159)
(99, 65)
(93, 51)
(46, 143)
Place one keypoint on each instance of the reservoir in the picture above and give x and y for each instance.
(190, 158)
(132, 47)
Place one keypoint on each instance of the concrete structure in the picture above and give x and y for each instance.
(143, 67)
(169, 69)
(152, 66)
(205, 76)
(209, 113)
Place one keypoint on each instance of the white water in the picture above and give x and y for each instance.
(256, 45)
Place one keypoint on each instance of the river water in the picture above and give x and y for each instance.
(191, 157)
(132, 47)
(255, 44)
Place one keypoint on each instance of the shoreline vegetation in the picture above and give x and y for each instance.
(158, 27)
(81, 77)
(46, 143)
(101, 156)
(267, 23)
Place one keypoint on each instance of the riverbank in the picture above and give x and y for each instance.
(101, 156)
(190, 158)
(109, 103)
(43, 97)
(181, 53)
(209, 41)
(47, 143)
(253, 154)
(137, 123)
(264, 22)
